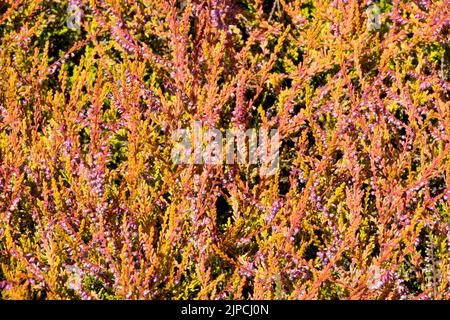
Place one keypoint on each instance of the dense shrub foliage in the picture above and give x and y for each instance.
(92, 207)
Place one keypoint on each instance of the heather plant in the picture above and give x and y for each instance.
(93, 207)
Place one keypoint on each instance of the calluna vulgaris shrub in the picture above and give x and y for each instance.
(93, 207)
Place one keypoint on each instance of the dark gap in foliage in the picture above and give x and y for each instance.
(434, 122)
(220, 266)
(255, 48)
(73, 61)
(288, 51)
(409, 78)
(446, 61)
(84, 138)
(244, 33)
(3, 8)
(309, 135)
(301, 186)
(267, 100)
(38, 294)
(376, 247)
(387, 81)
(247, 290)
(369, 198)
(437, 185)
(400, 114)
(298, 106)
(424, 246)
(330, 291)
(224, 212)
(2, 261)
(402, 133)
(287, 154)
(404, 175)
(34, 189)
(286, 83)
(311, 251)
(411, 281)
(309, 6)
(356, 84)
(338, 154)
(60, 39)
(157, 44)
(249, 93)
(369, 63)
(267, 6)
(23, 218)
(166, 196)
(255, 178)
(422, 242)
(115, 54)
(427, 71)
(320, 78)
(345, 262)
(278, 66)
(101, 285)
(415, 163)
(394, 141)
(106, 105)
